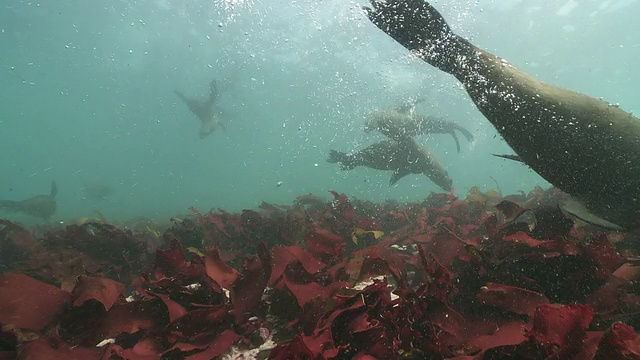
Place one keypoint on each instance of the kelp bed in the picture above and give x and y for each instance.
(482, 278)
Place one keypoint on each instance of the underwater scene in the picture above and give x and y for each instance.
(319, 179)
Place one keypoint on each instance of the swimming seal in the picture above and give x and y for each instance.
(205, 109)
(41, 206)
(586, 147)
(402, 157)
(400, 123)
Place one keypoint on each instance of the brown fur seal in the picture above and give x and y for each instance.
(582, 145)
(400, 123)
(205, 109)
(402, 157)
(42, 206)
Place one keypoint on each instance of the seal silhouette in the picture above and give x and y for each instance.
(403, 157)
(205, 109)
(41, 206)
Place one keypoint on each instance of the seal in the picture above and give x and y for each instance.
(41, 206)
(584, 146)
(205, 110)
(402, 157)
(401, 122)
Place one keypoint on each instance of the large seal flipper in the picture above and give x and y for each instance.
(582, 145)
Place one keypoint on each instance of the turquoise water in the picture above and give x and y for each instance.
(87, 97)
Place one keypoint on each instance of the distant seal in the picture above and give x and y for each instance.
(401, 122)
(41, 206)
(582, 145)
(205, 109)
(402, 157)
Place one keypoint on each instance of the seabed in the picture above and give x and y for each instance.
(484, 277)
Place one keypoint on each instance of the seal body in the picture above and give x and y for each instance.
(580, 144)
(398, 124)
(41, 206)
(402, 157)
(205, 109)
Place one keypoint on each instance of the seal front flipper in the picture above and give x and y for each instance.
(509, 157)
(580, 211)
(397, 175)
(409, 106)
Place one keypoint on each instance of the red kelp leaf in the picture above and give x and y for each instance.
(175, 310)
(510, 209)
(215, 219)
(521, 237)
(28, 303)
(375, 342)
(304, 347)
(381, 251)
(514, 299)
(325, 246)
(218, 270)
(145, 349)
(620, 341)
(375, 266)
(53, 349)
(247, 290)
(446, 246)
(342, 206)
(217, 347)
(352, 268)
(509, 333)
(609, 298)
(170, 262)
(305, 293)
(103, 290)
(605, 257)
(438, 277)
(200, 323)
(559, 324)
(446, 319)
(16, 243)
(92, 325)
(283, 256)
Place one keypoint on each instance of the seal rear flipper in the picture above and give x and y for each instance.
(397, 175)
(418, 26)
(467, 134)
(580, 211)
(346, 162)
(455, 138)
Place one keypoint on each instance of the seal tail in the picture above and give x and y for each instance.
(419, 27)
